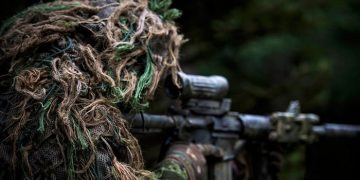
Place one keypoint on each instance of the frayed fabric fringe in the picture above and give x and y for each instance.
(69, 69)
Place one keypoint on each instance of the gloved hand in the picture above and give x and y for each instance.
(191, 157)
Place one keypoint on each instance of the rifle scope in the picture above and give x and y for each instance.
(197, 87)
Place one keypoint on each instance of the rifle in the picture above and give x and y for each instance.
(204, 116)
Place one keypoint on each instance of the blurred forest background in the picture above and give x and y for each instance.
(276, 51)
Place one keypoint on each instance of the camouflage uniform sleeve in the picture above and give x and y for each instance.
(170, 169)
(186, 161)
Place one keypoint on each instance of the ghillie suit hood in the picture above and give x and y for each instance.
(68, 72)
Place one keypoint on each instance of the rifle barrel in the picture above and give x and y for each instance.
(330, 130)
(250, 126)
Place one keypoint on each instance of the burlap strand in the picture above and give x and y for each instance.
(67, 67)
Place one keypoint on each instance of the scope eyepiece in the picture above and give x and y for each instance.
(197, 87)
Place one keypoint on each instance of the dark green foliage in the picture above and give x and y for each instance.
(275, 51)
(162, 7)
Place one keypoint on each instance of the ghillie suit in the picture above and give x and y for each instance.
(68, 72)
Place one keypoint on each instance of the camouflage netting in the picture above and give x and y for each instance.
(69, 69)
